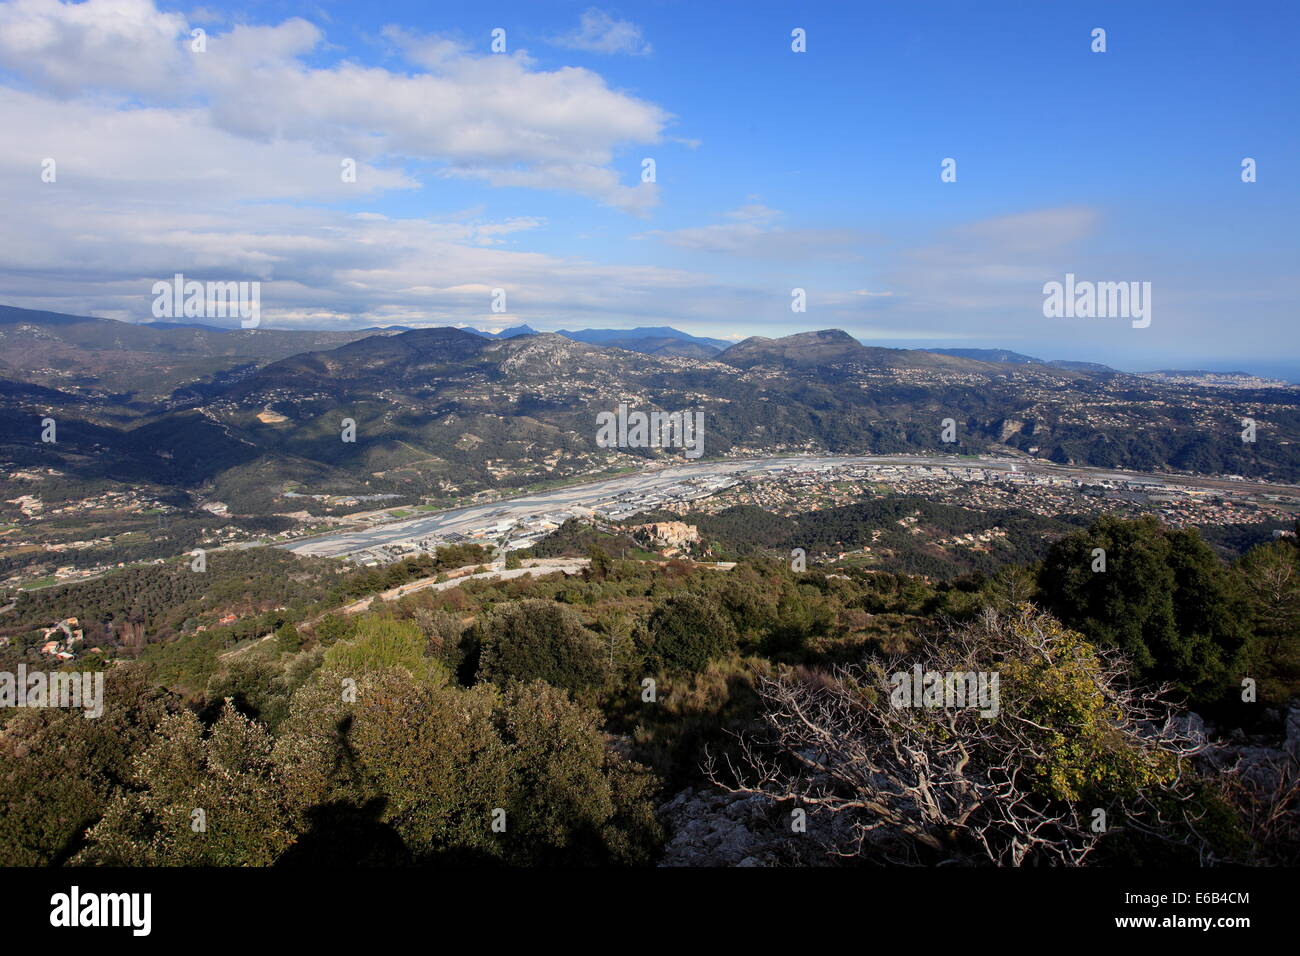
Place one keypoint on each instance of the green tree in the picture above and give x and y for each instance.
(539, 640)
(572, 801)
(382, 642)
(287, 637)
(685, 632)
(600, 561)
(520, 776)
(442, 632)
(801, 613)
(334, 627)
(257, 687)
(58, 770)
(427, 756)
(1164, 599)
(200, 799)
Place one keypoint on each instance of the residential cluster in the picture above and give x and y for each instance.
(801, 489)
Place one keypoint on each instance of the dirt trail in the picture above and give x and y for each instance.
(531, 566)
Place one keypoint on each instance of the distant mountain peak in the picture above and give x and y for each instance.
(823, 347)
(509, 333)
(644, 338)
(991, 355)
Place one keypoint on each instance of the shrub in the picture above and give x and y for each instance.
(685, 632)
(382, 642)
(226, 775)
(1164, 599)
(437, 766)
(539, 640)
(1011, 780)
(442, 632)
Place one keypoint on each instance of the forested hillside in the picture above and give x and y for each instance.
(586, 708)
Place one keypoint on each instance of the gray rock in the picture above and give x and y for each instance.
(713, 828)
(1293, 732)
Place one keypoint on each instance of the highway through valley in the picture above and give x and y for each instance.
(603, 492)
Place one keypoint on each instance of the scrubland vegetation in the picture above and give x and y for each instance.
(542, 720)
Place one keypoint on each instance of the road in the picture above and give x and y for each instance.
(537, 566)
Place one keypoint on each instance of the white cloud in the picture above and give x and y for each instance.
(978, 282)
(495, 118)
(754, 212)
(753, 233)
(226, 165)
(103, 157)
(598, 32)
(96, 251)
(124, 45)
(997, 263)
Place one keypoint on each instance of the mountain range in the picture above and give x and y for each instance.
(656, 340)
(1016, 358)
(154, 357)
(251, 417)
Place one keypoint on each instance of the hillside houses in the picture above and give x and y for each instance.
(62, 640)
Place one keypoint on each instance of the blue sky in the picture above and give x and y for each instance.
(774, 169)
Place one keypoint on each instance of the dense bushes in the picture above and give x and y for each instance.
(685, 632)
(1012, 780)
(1164, 599)
(58, 770)
(198, 798)
(438, 774)
(381, 642)
(539, 640)
(402, 734)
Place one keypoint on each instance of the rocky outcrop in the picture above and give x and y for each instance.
(1262, 762)
(713, 828)
(1008, 427)
(668, 534)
